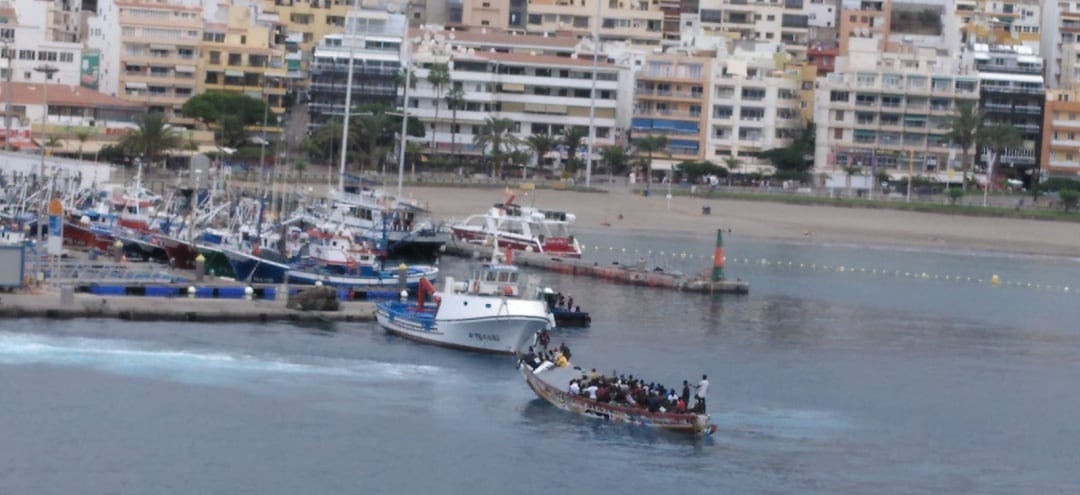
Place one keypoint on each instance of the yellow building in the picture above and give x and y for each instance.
(636, 21)
(1061, 133)
(159, 47)
(243, 56)
(307, 22)
(670, 95)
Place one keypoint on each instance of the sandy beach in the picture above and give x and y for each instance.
(756, 219)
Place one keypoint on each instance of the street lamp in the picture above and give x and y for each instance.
(48, 70)
(592, 99)
(7, 108)
(406, 62)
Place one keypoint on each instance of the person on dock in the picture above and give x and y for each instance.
(702, 389)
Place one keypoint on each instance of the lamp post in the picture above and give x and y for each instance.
(7, 89)
(592, 99)
(406, 62)
(48, 70)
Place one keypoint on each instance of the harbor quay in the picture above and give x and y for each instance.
(64, 303)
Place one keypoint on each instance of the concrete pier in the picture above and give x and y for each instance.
(48, 303)
(620, 274)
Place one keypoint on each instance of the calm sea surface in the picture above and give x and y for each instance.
(864, 370)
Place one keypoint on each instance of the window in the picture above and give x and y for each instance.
(67, 57)
(26, 55)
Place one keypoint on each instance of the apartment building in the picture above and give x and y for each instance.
(671, 93)
(890, 110)
(149, 51)
(1012, 91)
(372, 40)
(786, 22)
(494, 14)
(306, 22)
(754, 104)
(29, 44)
(1060, 44)
(527, 82)
(244, 54)
(639, 22)
(1061, 133)
(60, 20)
(868, 19)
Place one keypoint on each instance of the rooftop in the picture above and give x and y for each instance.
(61, 94)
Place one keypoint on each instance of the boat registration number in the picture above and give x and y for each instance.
(483, 336)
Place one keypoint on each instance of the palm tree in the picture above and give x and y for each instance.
(541, 145)
(963, 130)
(495, 133)
(649, 145)
(368, 133)
(571, 138)
(616, 158)
(152, 138)
(998, 137)
(82, 136)
(438, 76)
(455, 99)
(733, 164)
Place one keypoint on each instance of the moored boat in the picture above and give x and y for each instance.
(551, 383)
(521, 228)
(486, 313)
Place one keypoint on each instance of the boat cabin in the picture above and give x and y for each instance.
(495, 279)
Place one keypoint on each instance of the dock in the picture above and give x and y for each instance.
(637, 275)
(51, 303)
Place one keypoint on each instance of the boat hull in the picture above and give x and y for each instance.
(551, 385)
(83, 237)
(554, 246)
(487, 326)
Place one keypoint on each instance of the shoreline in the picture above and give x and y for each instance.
(764, 220)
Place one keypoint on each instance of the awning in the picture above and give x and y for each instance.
(162, 47)
(186, 68)
(513, 88)
(234, 73)
(135, 85)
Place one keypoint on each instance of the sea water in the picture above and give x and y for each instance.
(847, 369)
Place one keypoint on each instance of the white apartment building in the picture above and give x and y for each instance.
(149, 50)
(754, 104)
(890, 111)
(28, 44)
(1060, 43)
(541, 93)
(784, 22)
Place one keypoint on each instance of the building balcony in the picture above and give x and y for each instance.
(677, 114)
(668, 95)
(1059, 124)
(1065, 143)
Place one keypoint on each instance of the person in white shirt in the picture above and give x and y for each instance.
(702, 389)
(575, 389)
(591, 390)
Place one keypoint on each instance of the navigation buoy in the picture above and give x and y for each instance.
(994, 279)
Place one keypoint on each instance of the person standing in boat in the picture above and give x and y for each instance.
(544, 339)
(685, 392)
(702, 389)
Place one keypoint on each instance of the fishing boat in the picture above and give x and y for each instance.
(551, 383)
(522, 228)
(486, 313)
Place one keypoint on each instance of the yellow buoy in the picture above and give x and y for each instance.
(994, 279)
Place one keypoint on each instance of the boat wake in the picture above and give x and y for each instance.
(779, 424)
(203, 368)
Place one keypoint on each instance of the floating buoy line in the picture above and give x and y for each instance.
(689, 262)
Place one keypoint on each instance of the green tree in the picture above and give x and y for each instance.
(647, 146)
(232, 112)
(541, 145)
(998, 137)
(793, 157)
(733, 164)
(82, 136)
(955, 193)
(694, 171)
(439, 77)
(572, 138)
(616, 158)
(370, 137)
(1068, 199)
(455, 100)
(153, 137)
(496, 135)
(963, 130)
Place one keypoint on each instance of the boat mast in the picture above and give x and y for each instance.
(592, 98)
(405, 62)
(348, 92)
